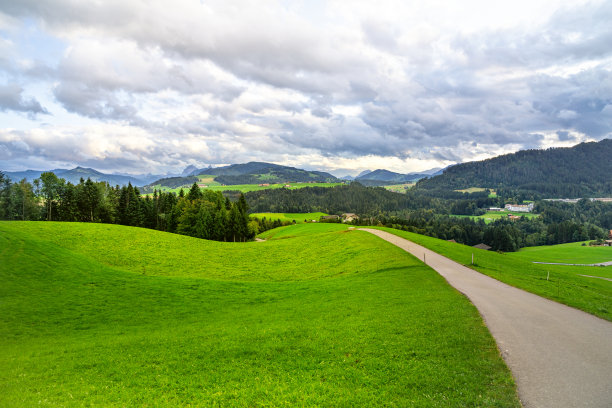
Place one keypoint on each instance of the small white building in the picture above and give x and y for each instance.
(519, 208)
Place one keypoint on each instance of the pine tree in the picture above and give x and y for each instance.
(194, 192)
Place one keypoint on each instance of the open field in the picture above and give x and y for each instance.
(300, 230)
(245, 188)
(492, 193)
(290, 217)
(491, 216)
(106, 315)
(566, 253)
(564, 283)
(400, 188)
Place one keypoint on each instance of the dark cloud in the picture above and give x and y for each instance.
(582, 101)
(12, 99)
(570, 36)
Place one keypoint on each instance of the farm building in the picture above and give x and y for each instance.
(348, 217)
(495, 209)
(482, 246)
(519, 208)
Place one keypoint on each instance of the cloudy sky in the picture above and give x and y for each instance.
(144, 86)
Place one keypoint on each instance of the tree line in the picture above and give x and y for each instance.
(203, 214)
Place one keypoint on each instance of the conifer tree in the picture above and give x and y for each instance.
(194, 192)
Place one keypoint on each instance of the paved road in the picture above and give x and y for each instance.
(559, 356)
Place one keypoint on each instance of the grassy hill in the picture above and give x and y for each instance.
(175, 184)
(580, 171)
(246, 177)
(574, 253)
(564, 284)
(106, 315)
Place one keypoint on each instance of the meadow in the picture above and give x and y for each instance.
(564, 284)
(108, 315)
(211, 184)
(290, 217)
(492, 193)
(574, 253)
(400, 188)
(491, 216)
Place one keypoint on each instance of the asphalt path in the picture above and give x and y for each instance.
(559, 356)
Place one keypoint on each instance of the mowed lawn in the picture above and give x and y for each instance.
(105, 315)
(574, 253)
(290, 217)
(564, 284)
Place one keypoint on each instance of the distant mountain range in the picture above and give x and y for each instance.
(386, 177)
(74, 176)
(584, 170)
(246, 173)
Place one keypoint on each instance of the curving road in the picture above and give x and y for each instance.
(559, 356)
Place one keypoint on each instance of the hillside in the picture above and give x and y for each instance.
(251, 173)
(103, 315)
(584, 170)
(259, 172)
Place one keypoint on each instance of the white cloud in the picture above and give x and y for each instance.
(405, 85)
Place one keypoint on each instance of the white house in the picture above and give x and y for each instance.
(519, 208)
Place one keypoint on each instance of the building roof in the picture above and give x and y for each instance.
(482, 246)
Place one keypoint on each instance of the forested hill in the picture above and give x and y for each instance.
(258, 172)
(254, 173)
(584, 170)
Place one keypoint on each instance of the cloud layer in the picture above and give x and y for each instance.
(144, 87)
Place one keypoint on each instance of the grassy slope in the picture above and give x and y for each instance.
(297, 217)
(80, 326)
(399, 188)
(566, 253)
(491, 216)
(215, 186)
(565, 284)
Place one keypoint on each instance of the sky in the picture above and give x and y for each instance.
(151, 86)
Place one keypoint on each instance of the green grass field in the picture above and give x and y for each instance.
(290, 217)
(492, 193)
(573, 253)
(491, 216)
(400, 188)
(106, 315)
(210, 184)
(564, 285)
